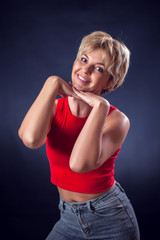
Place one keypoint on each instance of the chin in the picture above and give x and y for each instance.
(79, 88)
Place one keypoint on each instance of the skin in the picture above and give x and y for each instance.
(104, 133)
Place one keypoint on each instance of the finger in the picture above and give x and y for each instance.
(81, 93)
(74, 95)
(78, 93)
(82, 96)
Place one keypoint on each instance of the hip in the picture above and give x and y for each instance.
(112, 212)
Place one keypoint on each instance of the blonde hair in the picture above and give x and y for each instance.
(119, 55)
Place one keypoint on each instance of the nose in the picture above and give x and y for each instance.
(87, 69)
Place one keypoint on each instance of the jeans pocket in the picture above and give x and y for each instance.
(108, 208)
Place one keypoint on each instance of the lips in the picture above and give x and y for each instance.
(82, 79)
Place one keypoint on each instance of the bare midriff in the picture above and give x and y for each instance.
(69, 196)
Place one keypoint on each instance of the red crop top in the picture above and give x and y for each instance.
(64, 131)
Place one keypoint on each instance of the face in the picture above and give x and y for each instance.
(89, 72)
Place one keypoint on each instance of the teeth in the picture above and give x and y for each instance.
(82, 78)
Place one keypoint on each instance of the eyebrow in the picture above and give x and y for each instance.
(97, 62)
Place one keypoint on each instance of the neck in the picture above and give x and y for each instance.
(78, 107)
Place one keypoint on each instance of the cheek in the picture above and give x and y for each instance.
(74, 70)
(75, 67)
(100, 82)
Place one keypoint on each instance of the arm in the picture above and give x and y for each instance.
(37, 122)
(100, 137)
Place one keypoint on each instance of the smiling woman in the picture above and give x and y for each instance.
(90, 73)
(83, 135)
(115, 55)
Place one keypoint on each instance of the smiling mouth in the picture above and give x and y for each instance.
(82, 79)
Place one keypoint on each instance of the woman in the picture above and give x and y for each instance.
(83, 135)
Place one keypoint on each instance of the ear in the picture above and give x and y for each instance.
(105, 88)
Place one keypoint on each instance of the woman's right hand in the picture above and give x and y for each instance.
(36, 124)
(65, 89)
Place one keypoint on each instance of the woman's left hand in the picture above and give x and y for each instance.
(90, 98)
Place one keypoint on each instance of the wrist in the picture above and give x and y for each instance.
(101, 107)
(104, 104)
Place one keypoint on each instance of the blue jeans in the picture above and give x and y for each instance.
(109, 216)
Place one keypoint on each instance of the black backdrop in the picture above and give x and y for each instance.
(41, 38)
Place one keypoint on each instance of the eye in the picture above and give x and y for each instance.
(83, 59)
(99, 69)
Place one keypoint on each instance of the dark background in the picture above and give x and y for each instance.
(41, 38)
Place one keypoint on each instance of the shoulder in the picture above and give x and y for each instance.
(118, 119)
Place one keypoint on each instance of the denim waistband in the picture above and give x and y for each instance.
(76, 205)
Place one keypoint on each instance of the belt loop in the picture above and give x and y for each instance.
(90, 207)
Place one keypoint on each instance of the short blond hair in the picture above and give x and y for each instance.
(118, 52)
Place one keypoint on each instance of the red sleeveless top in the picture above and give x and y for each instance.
(64, 131)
